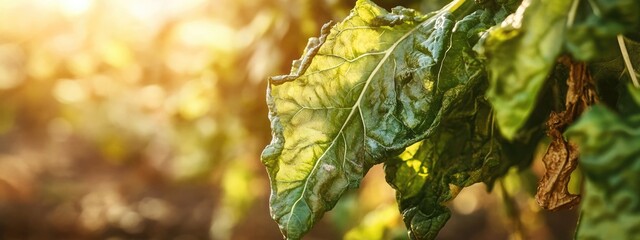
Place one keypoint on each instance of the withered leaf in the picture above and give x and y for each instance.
(561, 157)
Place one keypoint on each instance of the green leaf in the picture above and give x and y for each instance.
(363, 91)
(597, 24)
(462, 148)
(635, 94)
(521, 53)
(610, 160)
(463, 151)
(611, 77)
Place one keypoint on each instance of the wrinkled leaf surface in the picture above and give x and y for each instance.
(363, 91)
(465, 149)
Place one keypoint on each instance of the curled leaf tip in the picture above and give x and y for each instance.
(301, 65)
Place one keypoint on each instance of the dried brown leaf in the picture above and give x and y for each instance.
(561, 157)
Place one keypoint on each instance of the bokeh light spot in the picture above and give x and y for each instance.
(69, 91)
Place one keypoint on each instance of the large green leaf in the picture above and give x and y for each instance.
(610, 160)
(521, 53)
(366, 89)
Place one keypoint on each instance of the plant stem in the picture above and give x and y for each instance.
(627, 61)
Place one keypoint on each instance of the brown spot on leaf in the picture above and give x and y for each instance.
(561, 157)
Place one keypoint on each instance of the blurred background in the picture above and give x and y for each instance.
(145, 119)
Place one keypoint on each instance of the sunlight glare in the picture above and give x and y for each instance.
(71, 8)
